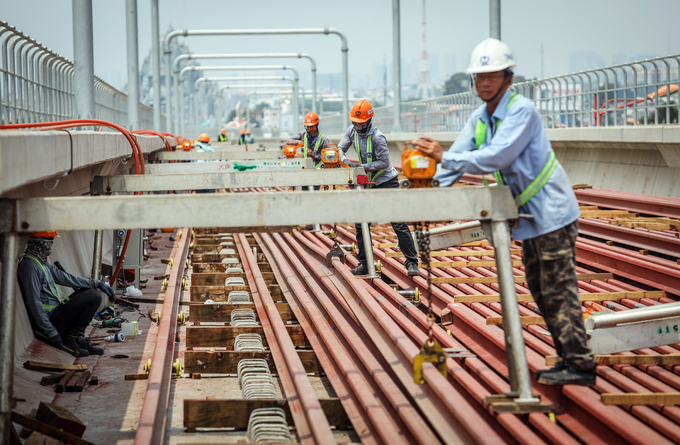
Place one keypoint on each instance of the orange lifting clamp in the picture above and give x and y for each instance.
(330, 157)
(290, 149)
(418, 168)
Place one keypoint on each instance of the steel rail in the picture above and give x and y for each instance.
(633, 202)
(347, 398)
(642, 239)
(151, 427)
(320, 431)
(381, 421)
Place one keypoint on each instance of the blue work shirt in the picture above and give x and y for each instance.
(520, 149)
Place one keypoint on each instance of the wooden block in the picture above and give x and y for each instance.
(82, 381)
(52, 367)
(606, 214)
(221, 312)
(59, 417)
(224, 336)
(195, 376)
(136, 376)
(660, 360)
(94, 380)
(217, 279)
(581, 186)
(643, 252)
(481, 263)
(387, 245)
(64, 381)
(651, 398)
(166, 260)
(47, 430)
(52, 379)
(40, 439)
(497, 321)
(587, 207)
(467, 280)
(199, 294)
(609, 243)
(226, 362)
(606, 296)
(235, 413)
(460, 253)
(71, 385)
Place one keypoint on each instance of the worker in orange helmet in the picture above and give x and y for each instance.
(312, 140)
(242, 138)
(203, 146)
(58, 319)
(222, 136)
(249, 137)
(370, 146)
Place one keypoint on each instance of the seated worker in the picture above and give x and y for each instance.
(222, 136)
(203, 146)
(242, 138)
(312, 139)
(249, 137)
(368, 142)
(59, 320)
(519, 154)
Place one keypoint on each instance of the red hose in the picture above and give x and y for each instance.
(136, 151)
(155, 133)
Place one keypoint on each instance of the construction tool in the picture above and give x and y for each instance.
(117, 337)
(418, 168)
(330, 157)
(290, 149)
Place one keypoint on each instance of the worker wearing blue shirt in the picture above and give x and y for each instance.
(506, 137)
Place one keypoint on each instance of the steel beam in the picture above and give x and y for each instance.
(633, 202)
(132, 64)
(257, 209)
(7, 300)
(156, 63)
(83, 59)
(229, 166)
(639, 239)
(152, 183)
(216, 156)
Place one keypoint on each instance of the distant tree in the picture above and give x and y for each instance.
(458, 83)
(232, 115)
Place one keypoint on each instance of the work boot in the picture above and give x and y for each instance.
(85, 344)
(361, 269)
(412, 269)
(567, 375)
(558, 367)
(72, 348)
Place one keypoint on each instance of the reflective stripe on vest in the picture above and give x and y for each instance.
(369, 156)
(53, 290)
(316, 145)
(538, 183)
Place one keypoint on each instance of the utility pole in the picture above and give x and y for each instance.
(83, 59)
(495, 19)
(132, 64)
(396, 47)
(156, 63)
(385, 81)
(542, 64)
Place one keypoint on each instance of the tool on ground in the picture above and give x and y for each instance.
(418, 168)
(118, 337)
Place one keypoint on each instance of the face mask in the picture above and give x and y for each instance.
(360, 127)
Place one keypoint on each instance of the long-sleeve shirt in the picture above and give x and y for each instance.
(381, 154)
(36, 287)
(519, 149)
(311, 142)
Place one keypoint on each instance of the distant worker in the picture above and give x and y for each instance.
(519, 154)
(59, 320)
(312, 140)
(249, 137)
(222, 136)
(370, 146)
(203, 146)
(242, 138)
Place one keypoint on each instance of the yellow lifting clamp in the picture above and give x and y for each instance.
(164, 284)
(179, 235)
(147, 367)
(378, 267)
(188, 265)
(184, 284)
(430, 352)
(181, 318)
(191, 246)
(416, 296)
(193, 234)
(178, 368)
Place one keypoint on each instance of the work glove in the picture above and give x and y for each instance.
(55, 341)
(352, 164)
(104, 287)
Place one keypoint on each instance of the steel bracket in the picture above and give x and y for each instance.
(335, 252)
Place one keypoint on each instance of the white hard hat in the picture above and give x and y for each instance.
(489, 56)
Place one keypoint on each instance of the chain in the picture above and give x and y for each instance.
(335, 235)
(422, 231)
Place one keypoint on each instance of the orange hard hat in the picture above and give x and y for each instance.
(362, 111)
(224, 131)
(248, 131)
(243, 131)
(204, 137)
(311, 119)
(45, 234)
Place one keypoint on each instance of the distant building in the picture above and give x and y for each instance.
(585, 60)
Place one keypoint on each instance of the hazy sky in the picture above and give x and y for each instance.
(612, 28)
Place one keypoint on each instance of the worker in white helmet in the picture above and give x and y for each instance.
(518, 154)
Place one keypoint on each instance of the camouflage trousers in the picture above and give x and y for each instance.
(550, 266)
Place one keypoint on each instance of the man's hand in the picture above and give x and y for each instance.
(351, 164)
(429, 147)
(104, 287)
(55, 341)
(310, 152)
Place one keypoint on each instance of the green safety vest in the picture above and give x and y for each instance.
(538, 183)
(372, 176)
(222, 138)
(53, 289)
(305, 139)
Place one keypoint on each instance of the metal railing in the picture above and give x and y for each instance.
(36, 85)
(629, 94)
